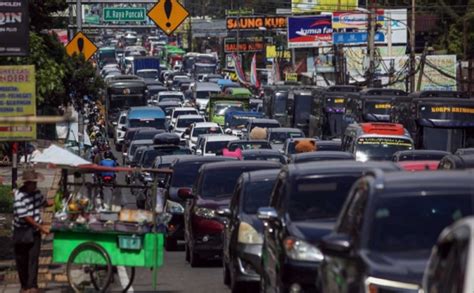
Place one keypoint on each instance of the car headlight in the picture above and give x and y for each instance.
(174, 207)
(361, 157)
(205, 213)
(300, 250)
(375, 285)
(248, 234)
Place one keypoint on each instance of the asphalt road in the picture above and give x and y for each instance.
(176, 275)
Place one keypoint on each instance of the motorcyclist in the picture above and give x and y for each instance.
(108, 161)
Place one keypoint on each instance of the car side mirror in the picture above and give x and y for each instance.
(336, 244)
(114, 123)
(199, 152)
(267, 214)
(224, 212)
(185, 193)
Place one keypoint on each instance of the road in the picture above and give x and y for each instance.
(176, 275)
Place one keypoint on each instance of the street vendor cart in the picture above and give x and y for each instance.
(101, 246)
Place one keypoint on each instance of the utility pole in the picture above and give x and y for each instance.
(238, 40)
(80, 100)
(412, 47)
(372, 22)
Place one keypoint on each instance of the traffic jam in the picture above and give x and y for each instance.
(294, 188)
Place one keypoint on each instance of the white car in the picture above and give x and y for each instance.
(119, 133)
(202, 128)
(184, 121)
(182, 111)
(170, 95)
(212, 145)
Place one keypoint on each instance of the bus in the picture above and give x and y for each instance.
(326, 120)
(441, 122)
(371, 105)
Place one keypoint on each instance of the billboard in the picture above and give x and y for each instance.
(255, 22)
(309, 31)
(353, 20)
(17, 98)
(307, 6)
(14, 28)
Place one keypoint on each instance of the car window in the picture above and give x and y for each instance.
(184, 175)
(215, 147)
(257, 195)
(352, 220)
(407, 223)
(278, 193)
(220, 183)
(314, 198)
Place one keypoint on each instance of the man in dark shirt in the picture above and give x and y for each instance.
(27, 215)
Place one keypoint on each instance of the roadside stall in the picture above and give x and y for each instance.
(97, 240)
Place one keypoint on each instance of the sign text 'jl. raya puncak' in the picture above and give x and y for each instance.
(255, 22)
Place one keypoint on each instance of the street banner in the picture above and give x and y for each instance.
(17, 98)
(253, 72)
(309, 31)
(239, 71)
(14, 28)
(308, 6)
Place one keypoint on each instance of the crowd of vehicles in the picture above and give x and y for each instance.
(350, 216)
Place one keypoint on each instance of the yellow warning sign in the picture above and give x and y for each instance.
(81, 44)
(168, 15)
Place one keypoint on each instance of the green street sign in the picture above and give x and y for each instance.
(124, 14)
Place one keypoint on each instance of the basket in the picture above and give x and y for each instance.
(130, 242)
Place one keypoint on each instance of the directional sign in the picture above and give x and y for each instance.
(80, 44)
(124, 14)
(168, 15)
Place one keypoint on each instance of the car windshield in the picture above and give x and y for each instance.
(215, 147)
(175, 99)
(163, 98)
(184, 112)
(380, 148)
(183, 123)
(257, 195)
(280, 137)
(404, 223)
(275, 158)
(206, 130)
(204, 94)
(238, 121)
(155, 123)
(150, 155)
(134, 147)
(148, 74)
(221, 109)
(184, 175)
(142, 135)
(249, 145)
(314, 198)
(264, 125)
(220, 183)
(378, 107)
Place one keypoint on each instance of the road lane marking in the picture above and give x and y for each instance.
(124, 280)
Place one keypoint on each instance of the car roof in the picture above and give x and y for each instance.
(414, 152)
(205, 124)
(184, 109)
(150, 130)
(240, 164)
(412, 183)
(142, 141)
(190, 116)
(202, 86)
(260, 175)
(324, 154)
(253, 141)
(204, 159)
(170, 93)
(261, 152)
(338, 167)
(170, 158)
(221, 137)
(284, 129)
(145, 112)
(263, 120)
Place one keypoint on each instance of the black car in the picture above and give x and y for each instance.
(419, 155)
(304, 206)
(248, 145)
(212, 190)
(389, 223)
(243, 232)
(264, 155)
(320, 156)
(185, 171)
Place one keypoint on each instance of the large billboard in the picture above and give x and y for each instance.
(308, 6)
(17, 98)
(255, 23)
(14, 28)
(309, 31)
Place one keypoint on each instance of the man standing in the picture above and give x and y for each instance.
(27, 229)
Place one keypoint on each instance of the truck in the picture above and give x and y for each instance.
(219, 105)
(147, 67)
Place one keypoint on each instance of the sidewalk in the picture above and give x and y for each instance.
(48, 274)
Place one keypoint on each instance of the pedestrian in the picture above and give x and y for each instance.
(27, 229)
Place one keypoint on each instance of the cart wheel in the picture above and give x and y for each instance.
(131, 277)
(89, 265)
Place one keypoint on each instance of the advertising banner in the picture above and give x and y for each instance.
(246, 44)
(397, 19)
(307, 6)
(17, 98)
(353, 21)
(14, 28)
(355, 38)
(255, 22)
(309, 31)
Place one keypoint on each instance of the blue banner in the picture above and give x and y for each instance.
(356, 38)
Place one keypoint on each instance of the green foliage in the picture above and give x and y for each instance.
(6, 199)
(41, 13)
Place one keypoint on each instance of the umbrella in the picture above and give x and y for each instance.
(58, 156)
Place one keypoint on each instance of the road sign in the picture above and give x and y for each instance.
(168, 15)
(80, 44)
(124, 14)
